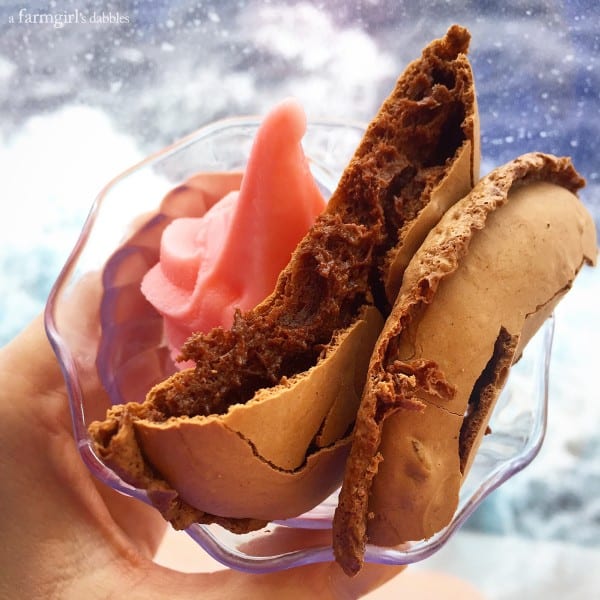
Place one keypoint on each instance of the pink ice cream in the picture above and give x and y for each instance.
(231, 257)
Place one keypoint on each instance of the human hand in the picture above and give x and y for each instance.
(67, 535)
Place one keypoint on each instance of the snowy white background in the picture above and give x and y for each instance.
(82, 102)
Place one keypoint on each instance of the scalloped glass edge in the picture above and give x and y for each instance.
(219, 543)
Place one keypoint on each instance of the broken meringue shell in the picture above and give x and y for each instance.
(238, 465)
(484, 280)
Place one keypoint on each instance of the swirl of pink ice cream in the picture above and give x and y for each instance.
(231, 257)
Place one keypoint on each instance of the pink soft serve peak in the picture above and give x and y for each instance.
(231, 257)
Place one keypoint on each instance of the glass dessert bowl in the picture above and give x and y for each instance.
(115, 349)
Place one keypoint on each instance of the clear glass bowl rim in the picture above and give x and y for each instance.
(203, 535)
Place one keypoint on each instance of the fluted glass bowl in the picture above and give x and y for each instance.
(110, 344)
